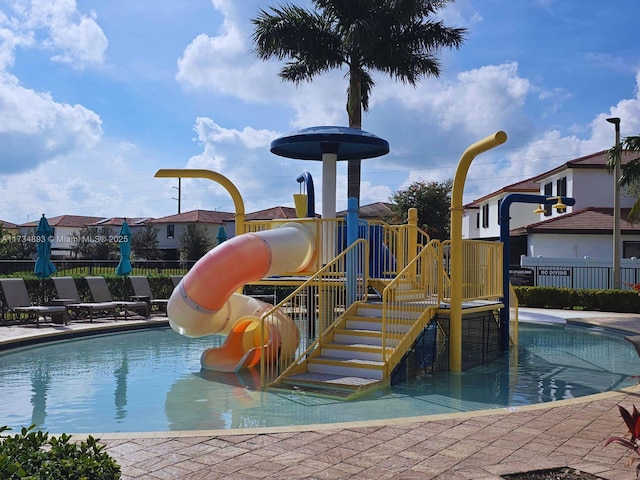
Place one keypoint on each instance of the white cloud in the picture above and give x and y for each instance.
(34, 128)
(225, 64)
(210, 132)
(74, 38)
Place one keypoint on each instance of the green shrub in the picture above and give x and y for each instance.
(624, 301)
(33, 455)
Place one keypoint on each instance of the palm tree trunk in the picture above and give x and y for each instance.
(354, 110)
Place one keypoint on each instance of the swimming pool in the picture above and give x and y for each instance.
(151, 381)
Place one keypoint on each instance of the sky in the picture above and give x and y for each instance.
(97, 95)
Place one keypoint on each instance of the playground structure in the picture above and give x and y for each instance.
(381, 307)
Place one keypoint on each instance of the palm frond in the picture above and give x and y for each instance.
(630, 173)
(614, 157)
(634, 213)
(291, 32)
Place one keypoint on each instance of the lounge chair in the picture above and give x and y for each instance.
(100, 293)
(141, 288)
(17, 301)
(68, 294)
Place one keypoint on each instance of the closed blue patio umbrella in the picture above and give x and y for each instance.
(124, 242)
(43, 267)
(221, 236)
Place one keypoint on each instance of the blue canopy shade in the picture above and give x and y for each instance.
(348, 143)
(124, 242)
(43, 267)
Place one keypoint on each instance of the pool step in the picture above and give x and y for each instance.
(351, 360)
(329, 385)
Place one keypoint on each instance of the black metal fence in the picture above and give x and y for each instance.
(576, 277)
(24, 268)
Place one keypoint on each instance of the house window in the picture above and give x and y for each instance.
(499, 203)
(561, 191)
(630, 249)
(548, 192)
(485, 215)
(170, 231)
(478, 220)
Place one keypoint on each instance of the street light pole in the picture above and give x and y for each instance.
(616, 208)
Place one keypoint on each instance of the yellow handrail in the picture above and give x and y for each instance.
(317, 304)
(411, 299)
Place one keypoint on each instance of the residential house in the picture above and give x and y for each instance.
(114, 224)
(579, 231)
(9, 227)
(65, 232)
(481, 219)
(173, 226)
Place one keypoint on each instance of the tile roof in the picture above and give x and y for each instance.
(273, 213)
(117, 221)
(373, 210)
(6, 224)
(592, 220)
(197, 216)
(524, 186)
(596, 160)
(66, 221)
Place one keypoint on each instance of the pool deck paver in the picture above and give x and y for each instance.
(472, 445)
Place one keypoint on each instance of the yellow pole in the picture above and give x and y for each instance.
(456, 273)
(412, 236)
(216, 177)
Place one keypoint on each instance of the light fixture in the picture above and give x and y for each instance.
(540, 209)
(559, 205)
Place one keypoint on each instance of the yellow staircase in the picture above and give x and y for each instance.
(352, 360)
(360, 349)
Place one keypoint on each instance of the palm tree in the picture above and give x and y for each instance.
(396, 37)
(630, 172)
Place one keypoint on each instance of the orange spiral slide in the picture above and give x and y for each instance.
(204, 303)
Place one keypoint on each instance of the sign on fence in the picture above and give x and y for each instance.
(521, 277)
(555, 272)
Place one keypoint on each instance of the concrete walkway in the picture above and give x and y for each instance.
(476, 445)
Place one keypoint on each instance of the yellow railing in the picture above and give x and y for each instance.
(410, 301)
(330, 237)
(315, 306)
(482, 270)
(399, 244)
(392, 247)
(417, 272)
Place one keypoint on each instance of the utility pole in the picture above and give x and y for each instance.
(616, 208)
(179, 188)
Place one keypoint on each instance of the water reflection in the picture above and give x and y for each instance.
(203, 400)
(121, 388)
(151, 381)
(40, 379)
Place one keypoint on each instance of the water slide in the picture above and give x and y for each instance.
(205, 302)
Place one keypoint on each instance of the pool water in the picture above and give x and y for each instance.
(151, 381)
